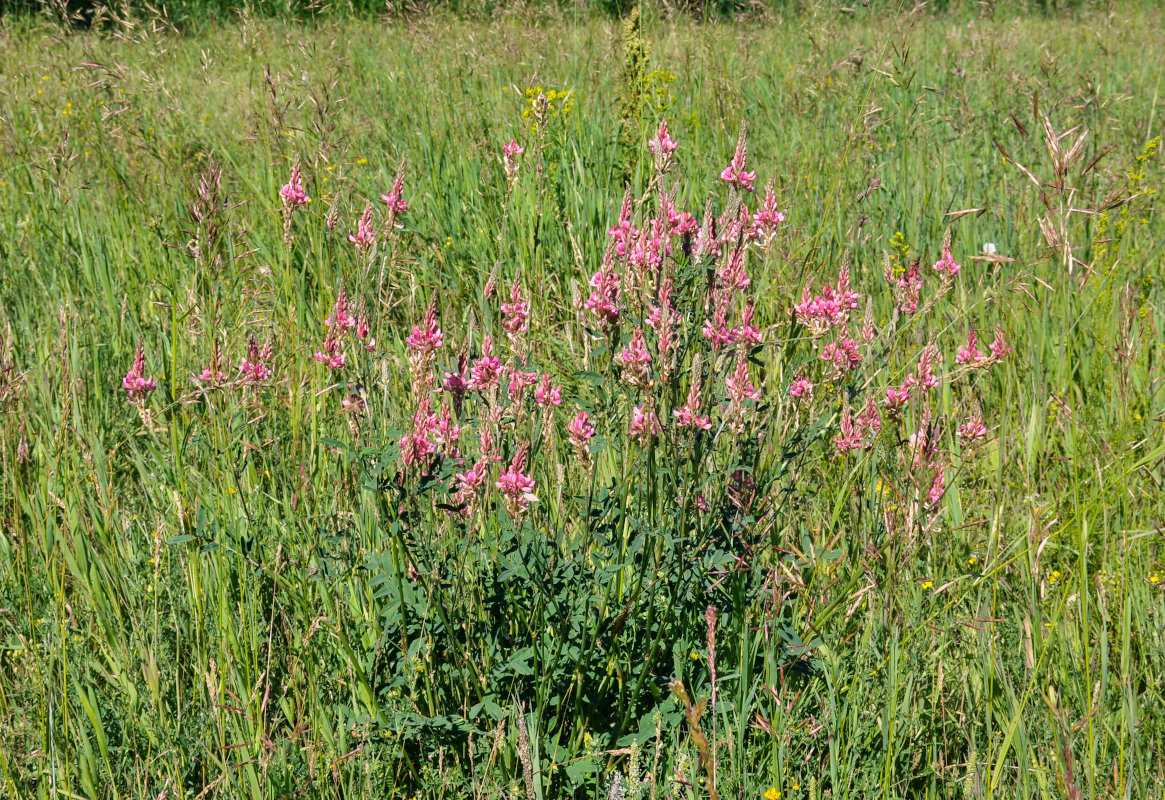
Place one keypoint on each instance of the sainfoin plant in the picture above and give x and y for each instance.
(653, 469)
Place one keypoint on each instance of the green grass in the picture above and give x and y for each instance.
(244, 593)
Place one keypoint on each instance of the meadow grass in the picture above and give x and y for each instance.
(249, 588)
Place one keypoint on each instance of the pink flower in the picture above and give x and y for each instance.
(735, 173)
(416, 446)
(213, 373)
(926, 377)
(454, 382)
(516, 313)
(869, 421)
(768, 217)
(253, 369)
(734, 276)
(739, 387)
(688, 415)
(510, 153)
(972, 429)
(662, 144)
(363, 333)
(519, 381)
(623, 232)
(636, 360)
(947, 264)
(395, 197)
(746, 333)
(801, 388)
(486, 370)
(135, 382)
(293, 193)
(829, 308)
(662, 319)
(909, 288)
(446, 431)
(715, 330)
(426, 338)
(331, 355)
(353, 403)
(937, 488)
(580, 431)
(897, 398)
(999, 347)
(546, 394)
(843, 354)
(364, 235)
(644, 424)
(516, 487)
(340, 317)
(847, 438)
(970, 352)
(604, 300)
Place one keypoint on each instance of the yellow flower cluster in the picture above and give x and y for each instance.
(560, 102)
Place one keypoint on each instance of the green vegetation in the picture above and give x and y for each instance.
(245, 587)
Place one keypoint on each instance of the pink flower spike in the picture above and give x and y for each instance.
(970, 353)
(426, 338)
(947, 264)
(937, 488)
(972, 429)
(252, 368)
(869, 421)
(644, 424)
(635, 360)
(847, 438)
(293, 194)
(580, 431)
(364, 236)
(999, 347)
(662, 144)
(801, 388)
(516, 487)
(136, 384)
(735, 173)
(516, 313)
(547, 394)
(897, 398)
(688, 415)
(512, 148)
(394, 199)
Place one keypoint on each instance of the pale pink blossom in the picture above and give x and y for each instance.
(644, 424)
(843, 354)
(136, 384)
(999, 347)
(394, 199)
(253, 368)
(688, 415)
(636, 361)
(947, 264)
(735, 172)
(801, 388)
(604, 300)
(547, 394)
(847, 438)
(293, 194)
(364, 236)
(516, 313)
(972, 429)
(970, 353)
(516, 487)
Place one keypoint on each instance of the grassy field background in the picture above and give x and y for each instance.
(239, 589)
